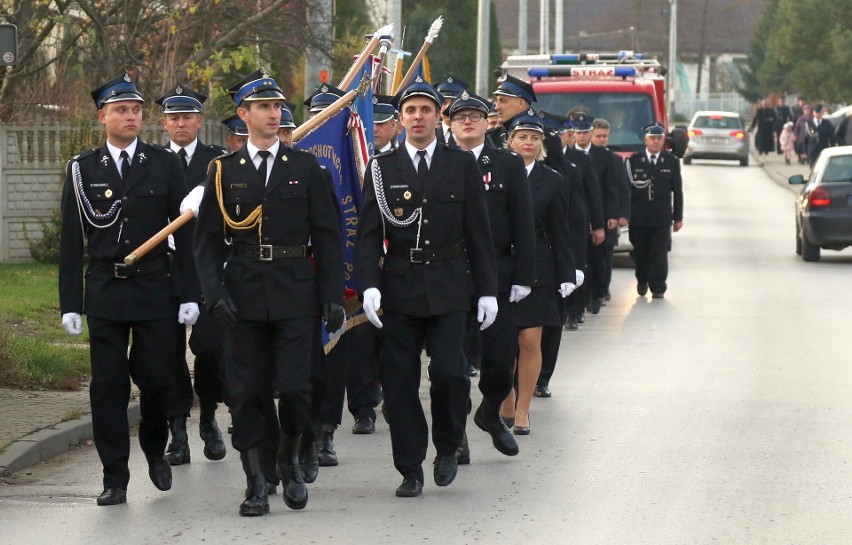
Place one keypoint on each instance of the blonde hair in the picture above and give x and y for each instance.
(542, 152)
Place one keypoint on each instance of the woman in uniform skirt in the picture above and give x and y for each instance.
(555, 274)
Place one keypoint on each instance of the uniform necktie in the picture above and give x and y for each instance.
(450, 138)
(261, 169)
(422, 167)
(182, 155)
(125, 163)
(654, 159)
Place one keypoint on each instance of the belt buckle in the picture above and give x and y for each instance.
(412, 252)
(265, 252)
(117, 270)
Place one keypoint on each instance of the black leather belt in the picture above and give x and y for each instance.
(268, 252)
(422, 255)
(122, 271)
(503, 251)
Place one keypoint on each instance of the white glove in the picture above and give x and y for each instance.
(192, 201)
(372, 304)
(580, 277)
(518, 293)
(73, 323)
(188, 313)
(486, 311)
(565, 289)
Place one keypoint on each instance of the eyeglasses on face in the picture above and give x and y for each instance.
(473, 116)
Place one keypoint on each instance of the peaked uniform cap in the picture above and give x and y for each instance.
(418, 88)
(451, 87)
(323, 97)
(527, 122)
(514, 87)
(383, 109)
(181, 99)
(119, 89)
(256, 86)
(468, 101)
(236, 125)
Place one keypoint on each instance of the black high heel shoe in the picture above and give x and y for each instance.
(521, 430)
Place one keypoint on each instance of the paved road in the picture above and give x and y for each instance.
(719, 415)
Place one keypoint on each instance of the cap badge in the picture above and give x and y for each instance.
(464, 95)
(375, 99)
(530, 112)
(126, 77)
(324, 89)
(179, 90)
(418, 79)
(450, 79)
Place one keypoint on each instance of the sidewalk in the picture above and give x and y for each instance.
(38, 424)
(775, 167)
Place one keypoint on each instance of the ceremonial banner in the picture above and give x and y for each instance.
(332, 144)
(363, 106)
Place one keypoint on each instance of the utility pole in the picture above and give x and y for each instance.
(701, 47)
(672, 73)
(544, 27)
(522, 27)
(319, 17)
(482, 40)
(558, 32)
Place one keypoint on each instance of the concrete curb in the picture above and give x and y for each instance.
(49, 442)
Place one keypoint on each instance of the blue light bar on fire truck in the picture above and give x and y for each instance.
(589, 70)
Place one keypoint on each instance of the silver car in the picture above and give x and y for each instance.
(717, 135)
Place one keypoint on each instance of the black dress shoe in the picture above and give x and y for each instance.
(607, 296)
(112, 496)
(326, 454)
(493, 425)
(658, 295)
(471, 370)
(463, 452)
(542, 391)
(571, 324)
(410, 488)
(581, 318)
(642, 289)
(309, 462)
(256, 503)
(160, 472)
(177, 453)
(214, 444)
(445, 469)
(594, 305)
(364, 426)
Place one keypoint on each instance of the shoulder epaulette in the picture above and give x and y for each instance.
(385, 153)
(83, 154)
(227, 154)
(301, 152)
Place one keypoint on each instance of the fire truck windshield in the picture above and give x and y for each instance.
(627, 113)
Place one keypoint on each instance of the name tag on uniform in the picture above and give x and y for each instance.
(93, 186)
(398, 187)
(239, 186)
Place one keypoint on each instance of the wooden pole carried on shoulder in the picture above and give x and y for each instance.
(162, 235)
(364, 55)
(427, 42)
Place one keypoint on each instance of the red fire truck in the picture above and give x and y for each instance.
(624, 88)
